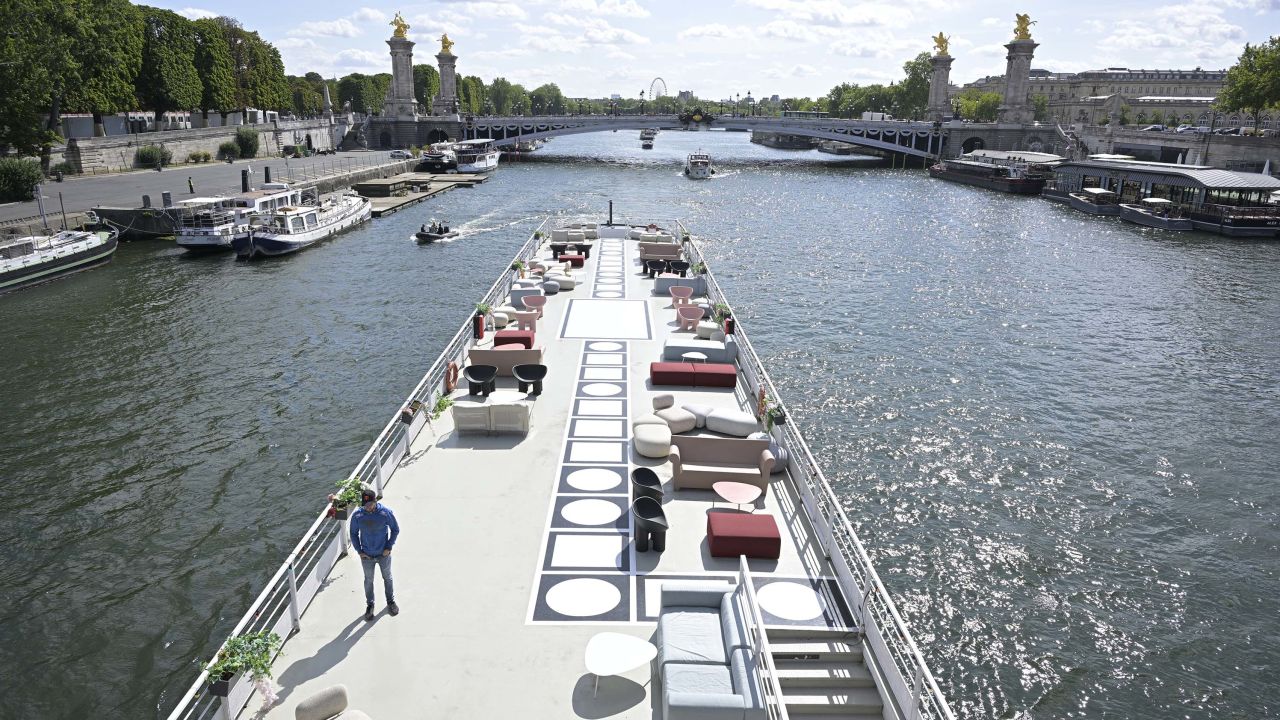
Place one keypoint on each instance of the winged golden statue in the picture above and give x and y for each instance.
(940, 42)
(446, 45)
(400, 25)
(1022, 31)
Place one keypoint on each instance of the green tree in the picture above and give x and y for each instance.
(28, 46)
(306, 101)
(913, 92)
(548, 99)
(1253, 83)
(500, 91)
(258, 69)
(217, 69)
(426, 85)
(979, 106)
(1041, 105)
(168, 79)
(106, 56)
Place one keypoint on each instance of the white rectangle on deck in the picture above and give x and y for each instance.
(606, 320)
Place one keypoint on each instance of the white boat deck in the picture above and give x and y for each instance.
(515, 550)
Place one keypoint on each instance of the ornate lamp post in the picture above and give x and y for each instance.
(751, 104)
(641, 102)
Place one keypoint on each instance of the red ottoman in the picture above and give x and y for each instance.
(723, 375)
(513, 337)
(574, 260)
(734, 534)
(671, 373)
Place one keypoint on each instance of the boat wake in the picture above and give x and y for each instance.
(478, 226)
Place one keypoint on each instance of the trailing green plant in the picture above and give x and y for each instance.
(250, 652)
(517, 265)
(18, 178)
(483, 308)
(722, 311)
(699, 269)
(538, 235)
(149, 156)
(444, 402)
(348, 492)
(685, 237)
(773, 415)
(228, 150)
(247, 141)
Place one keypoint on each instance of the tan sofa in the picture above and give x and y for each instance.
(504, 360)
(659, 251)
(698, 461)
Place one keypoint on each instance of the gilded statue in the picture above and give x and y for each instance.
(400, 25)
(446, 45)
(940, 43)
(1022, 31)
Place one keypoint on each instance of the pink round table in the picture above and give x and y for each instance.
(738, 493)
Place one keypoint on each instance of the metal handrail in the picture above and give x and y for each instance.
(859, 583)
(274, 601)
(764, 654)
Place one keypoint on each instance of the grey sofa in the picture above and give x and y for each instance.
(699, 461)
(715, 350)
(705, 660)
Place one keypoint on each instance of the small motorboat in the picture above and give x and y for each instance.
(433, 232)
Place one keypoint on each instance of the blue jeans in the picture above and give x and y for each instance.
(383, 562)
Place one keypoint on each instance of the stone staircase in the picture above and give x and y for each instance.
(822, 674)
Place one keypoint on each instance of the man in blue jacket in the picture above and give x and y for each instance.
(373, 533)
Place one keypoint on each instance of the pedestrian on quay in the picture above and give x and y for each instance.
(190, 185)
(373, 533)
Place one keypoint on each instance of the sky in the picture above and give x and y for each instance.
(723, 48)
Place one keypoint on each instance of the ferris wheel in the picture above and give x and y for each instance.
(657, 88)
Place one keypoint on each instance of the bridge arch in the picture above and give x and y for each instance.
(973, 143)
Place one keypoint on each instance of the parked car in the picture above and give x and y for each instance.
(401, 155)
(1229, 131)
(1183, 128)
(1154, 128)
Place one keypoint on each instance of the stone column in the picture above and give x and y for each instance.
(1016, 107)
(446, 103)
(939, 103)
(328, 102)
(399, 102)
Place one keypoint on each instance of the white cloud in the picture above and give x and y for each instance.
(990, 22)
(593, 31)
(367, 14)
(619, 8)
(835, 13)
(193, 13)
(714, 30)
(293, 43)
(788, 30)
(362, 58)
(341, 27)
(1176, 36)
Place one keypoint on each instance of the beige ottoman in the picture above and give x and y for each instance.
(651, 436)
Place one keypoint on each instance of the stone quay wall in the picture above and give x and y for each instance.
(115, 153)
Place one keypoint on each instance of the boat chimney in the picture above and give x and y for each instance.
(166, 199)
(610, 212)
(146, 201)
(244, 181)
(266, 174)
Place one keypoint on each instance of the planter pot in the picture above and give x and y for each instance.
(340, 513)
(221, 687)
(779, 417)
(477, 327)
(728, 326)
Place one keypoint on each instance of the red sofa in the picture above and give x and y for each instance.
(734, 534)
(723, 375)
(514, 337)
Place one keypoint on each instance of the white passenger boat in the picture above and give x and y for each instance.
(37, 258)
(1156, 213)
(476, 156)
(698, 166)
(535, 573)
(290, 229)
(1095, 201)
(214, 223)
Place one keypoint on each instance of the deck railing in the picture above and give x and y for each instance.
(281, 604)
(901, 665)
(774, 704)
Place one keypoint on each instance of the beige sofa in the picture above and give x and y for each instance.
(659, 251)
(698, 461)
(504, 360)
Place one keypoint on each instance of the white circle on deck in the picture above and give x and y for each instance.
(612, 253)
(608, 294)
(609, 283)
(790, 600)
(590, 512)
(602, 389)
(605, 346)
(594, 479)
(608, 274)
(583, 597)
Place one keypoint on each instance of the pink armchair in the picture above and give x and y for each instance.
(680, 295)
(689, 315)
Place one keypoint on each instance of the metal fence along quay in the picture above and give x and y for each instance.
(895, 661)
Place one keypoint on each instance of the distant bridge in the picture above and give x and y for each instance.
(917, 139)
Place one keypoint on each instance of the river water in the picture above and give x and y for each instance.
(1055, 433)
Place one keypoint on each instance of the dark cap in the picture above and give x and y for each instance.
(367, 495)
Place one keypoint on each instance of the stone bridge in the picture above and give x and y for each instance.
(923, 140)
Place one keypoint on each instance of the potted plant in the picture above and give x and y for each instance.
(518, 266)
(724, 316)
(477, 322)
(699, 269)
(538, 235)
(347, 494)
(407, 413)
(250, 652)
(442, 404)
(774, 415)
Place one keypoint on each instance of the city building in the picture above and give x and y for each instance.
(685, 96)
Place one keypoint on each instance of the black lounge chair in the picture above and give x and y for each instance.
(530, 377)
(645, 483)
(558, 249)
(481, 379)
(680, 266)
(654, 267)
(651, 524)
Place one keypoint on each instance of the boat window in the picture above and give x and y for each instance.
(311, 220)
(296, 223)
